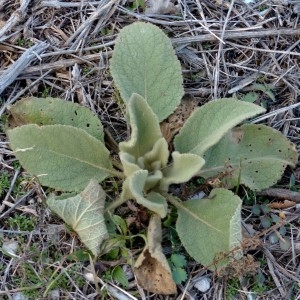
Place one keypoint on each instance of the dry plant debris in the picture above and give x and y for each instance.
(62, 49)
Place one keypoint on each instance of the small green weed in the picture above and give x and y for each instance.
(119, 276)
(24, 42)
(21, 222)
(87, 70)
(45, 92)
(136, 4)
(232, 287)
(177, 264)
(4, 182)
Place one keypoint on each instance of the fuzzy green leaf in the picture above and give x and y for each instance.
(153, 160)
(62, 157)
(157, 158)
(210, 227)
(182, 169)
(129, 163)
(209, 123)
(253, 155)
(84, 213)
(144, 62)
(51, 111)
(145, 130)
(133, 187)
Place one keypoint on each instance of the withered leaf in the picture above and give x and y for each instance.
(151, 268)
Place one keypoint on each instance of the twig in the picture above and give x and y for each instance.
(81, 30)
(275, 112)
(21, 92)
(281, 194)
(12, 184)
(233, 35)
(285, 52)
(9, 75)
(63, 4)
(16, 204)
(64, 63)
(280, 268)
(217, 65)
(2, 3)
(275, 279)
(15, 18)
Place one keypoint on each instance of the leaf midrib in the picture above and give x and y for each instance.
(189, 212)
(70, 157)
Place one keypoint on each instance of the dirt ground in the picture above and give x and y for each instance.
(244, 49)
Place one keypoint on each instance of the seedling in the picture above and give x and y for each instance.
(177, 264)
(63, 145)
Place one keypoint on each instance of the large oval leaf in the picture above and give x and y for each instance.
(84, 213)
(253, 155)
(206, 126)
(144, 62)
(62, 157)
(50, 111)
(211, 227)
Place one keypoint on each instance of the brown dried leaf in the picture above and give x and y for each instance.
(171, 126)
(282, 205)
(241, 267)
(151, 268)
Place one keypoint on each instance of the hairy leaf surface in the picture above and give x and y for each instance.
(253, 155)
(62, 157)
(84, 213)
(210, 227)
(145, 130)
(51, 111)
(207, 124)
(133, 188)
(144, 62)
(183, 168)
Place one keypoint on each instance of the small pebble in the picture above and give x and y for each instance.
(54, 295)
(19, 296)
(10, 247)
(202, 284)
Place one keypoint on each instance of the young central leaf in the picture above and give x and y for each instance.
(145, 131)
(133, 187)
(62, 157)
(144, 62)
